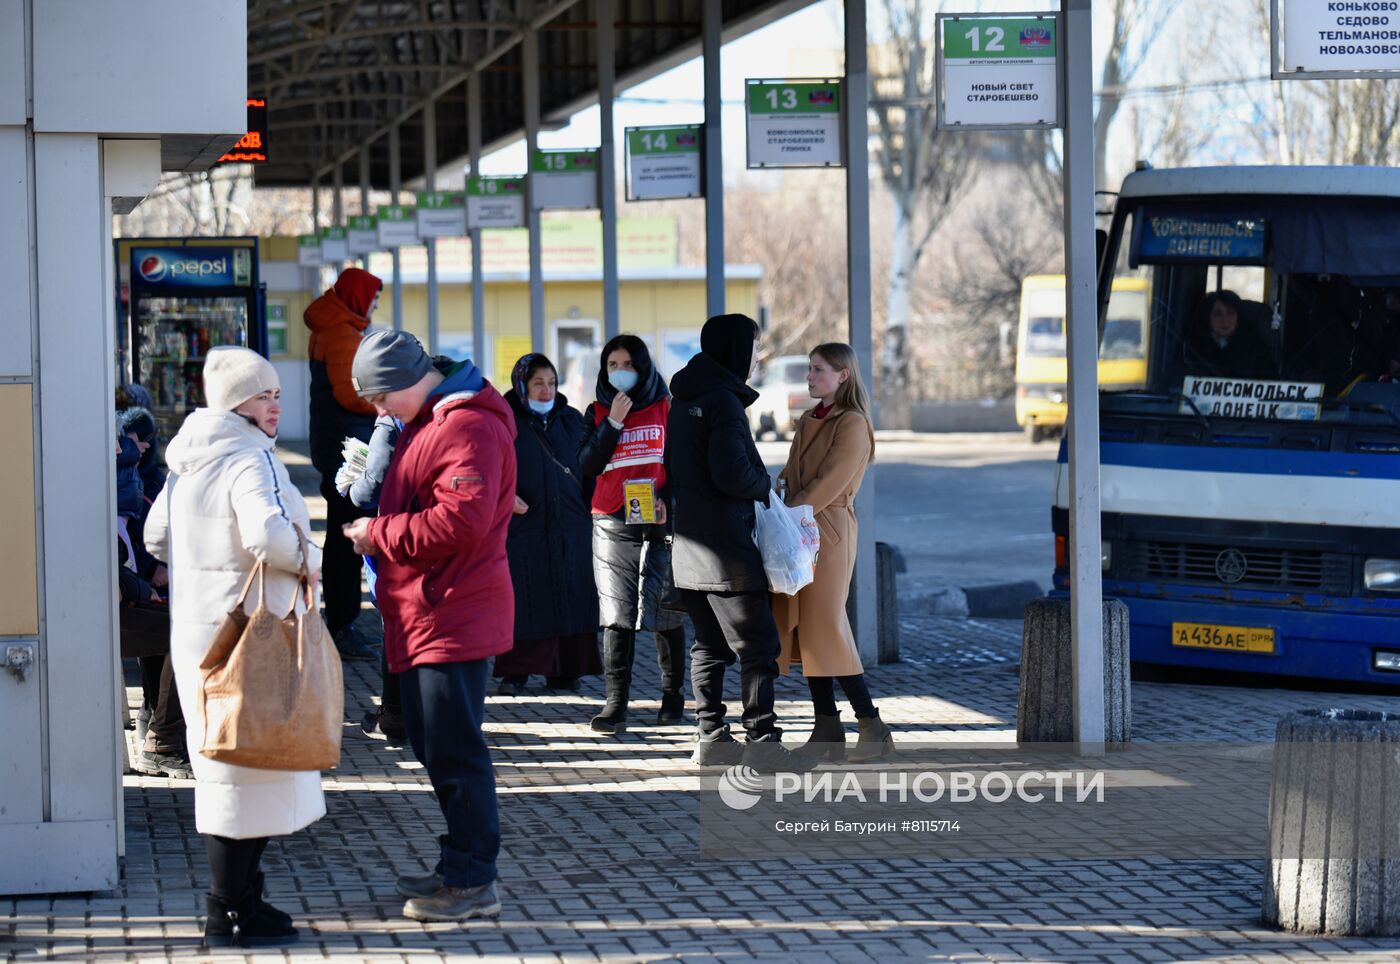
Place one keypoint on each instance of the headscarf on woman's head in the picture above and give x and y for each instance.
(525, 369)
(650, 387)
(356, 289)
(728, 339)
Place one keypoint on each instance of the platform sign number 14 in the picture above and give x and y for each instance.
(996, 39)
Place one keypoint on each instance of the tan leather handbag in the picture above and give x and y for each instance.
(272, 695)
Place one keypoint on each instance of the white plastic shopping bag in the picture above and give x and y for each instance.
(788, 559)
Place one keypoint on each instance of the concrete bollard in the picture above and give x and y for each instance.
(886, 603)
(1334, 824)
(1045, 711)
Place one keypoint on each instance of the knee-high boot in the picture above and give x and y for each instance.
(618, 645)
(670, 654)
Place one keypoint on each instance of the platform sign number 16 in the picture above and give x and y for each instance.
(785, 98)
(995, 39)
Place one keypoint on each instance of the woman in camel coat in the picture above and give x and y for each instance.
(831, 449)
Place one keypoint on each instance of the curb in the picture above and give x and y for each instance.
(1003, 600)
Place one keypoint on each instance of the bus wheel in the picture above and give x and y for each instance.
(1035, 433)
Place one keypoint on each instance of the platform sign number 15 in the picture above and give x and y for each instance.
(995, 37)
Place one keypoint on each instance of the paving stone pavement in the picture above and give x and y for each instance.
(600, 856)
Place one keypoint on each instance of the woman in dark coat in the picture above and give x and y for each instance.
(717, 477)
(1222, 344)
(550, 541)
(625, 441)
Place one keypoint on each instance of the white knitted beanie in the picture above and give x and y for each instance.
(233, 375)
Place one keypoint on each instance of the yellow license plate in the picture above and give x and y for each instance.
(1238, 639)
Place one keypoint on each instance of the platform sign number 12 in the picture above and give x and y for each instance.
(996, 38)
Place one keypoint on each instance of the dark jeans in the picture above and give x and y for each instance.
(824, 695)
(165, 732)
(443, 707)
(340, 566)
(390, 699)
(730, 625)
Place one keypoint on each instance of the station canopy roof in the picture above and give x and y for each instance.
(336, 74)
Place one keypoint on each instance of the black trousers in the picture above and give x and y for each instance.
(390, 699)
(730, 626)
(232, 866)
(165, 732)
(340, 566)
(443, 708)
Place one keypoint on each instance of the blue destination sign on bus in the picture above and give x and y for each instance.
(1231, 241)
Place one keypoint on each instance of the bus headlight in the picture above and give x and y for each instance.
(1383, 575)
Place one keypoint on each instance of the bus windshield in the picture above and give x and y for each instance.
(1241, 290)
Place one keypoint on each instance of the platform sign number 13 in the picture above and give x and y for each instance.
(785, 98)
(995, 40)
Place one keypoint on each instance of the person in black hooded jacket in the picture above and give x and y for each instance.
(625, 441)
(716, 477)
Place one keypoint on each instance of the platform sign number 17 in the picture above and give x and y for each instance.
(996, 37)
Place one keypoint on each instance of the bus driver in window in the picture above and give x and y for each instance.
(1222, 344)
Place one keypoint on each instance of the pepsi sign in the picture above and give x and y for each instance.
(191, 267)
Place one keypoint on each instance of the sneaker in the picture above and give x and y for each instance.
(455, 903)
(382, 724)
(425, 886)
(770, 756)
(351, 645)
(164, 765)
(717, 749)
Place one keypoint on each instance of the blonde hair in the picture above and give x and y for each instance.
(851, 393)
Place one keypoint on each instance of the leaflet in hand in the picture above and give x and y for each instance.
(356, 455)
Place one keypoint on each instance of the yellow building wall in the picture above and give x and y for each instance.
(645, 307)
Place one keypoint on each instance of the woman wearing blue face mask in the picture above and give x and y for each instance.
(625, 442)
(549, 545)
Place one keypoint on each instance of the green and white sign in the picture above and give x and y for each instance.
(398, 225)
(335, 245)
(663, 162)
(496, 202)
(794, 123)
(564, 179)
(998, 71)
(362, 233)
(1328, 38)
(309, 250)
(442, 214)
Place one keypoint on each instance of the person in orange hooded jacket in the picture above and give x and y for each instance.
(337, 321)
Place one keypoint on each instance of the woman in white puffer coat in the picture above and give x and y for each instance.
(228, 505)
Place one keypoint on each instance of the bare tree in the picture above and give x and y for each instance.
(925, 171)
(1136, 26)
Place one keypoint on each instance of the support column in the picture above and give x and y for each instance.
(1082, 424)
(315, 273)
(478, 279)
(607, 82)
(530, 57)
(711, 22)
(430, 184)
(396, 188)
(338, 205)
(364, 194)
(858, 294)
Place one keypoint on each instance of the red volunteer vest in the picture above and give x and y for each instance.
(640, 454)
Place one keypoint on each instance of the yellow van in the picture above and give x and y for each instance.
(1040, 348)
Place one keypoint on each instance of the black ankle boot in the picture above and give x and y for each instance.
(264, 909)
(240, 925)
(670, 653)
(617, 669)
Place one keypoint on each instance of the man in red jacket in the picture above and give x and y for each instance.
(445, 593)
